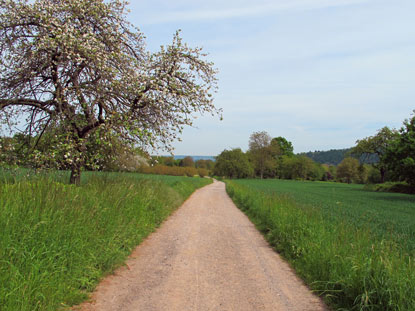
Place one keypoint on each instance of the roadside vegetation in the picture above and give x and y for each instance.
(354, 248)
(58, 240)
(162, 165)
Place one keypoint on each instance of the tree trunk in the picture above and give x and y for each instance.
(382, 175)
(75, 178)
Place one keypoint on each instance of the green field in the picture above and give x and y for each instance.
(386, 214)
(58, 240)
(353, 247)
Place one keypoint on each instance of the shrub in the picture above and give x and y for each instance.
(190, 171)
(203, 172)
(397, 187)
(348, 170)
(171, 170)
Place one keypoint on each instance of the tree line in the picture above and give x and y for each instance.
(269, 158)
(389, 155)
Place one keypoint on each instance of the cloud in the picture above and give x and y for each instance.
(260, 9)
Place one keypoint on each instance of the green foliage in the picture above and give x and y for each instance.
(398, 187)
(203, 172)
(373, 175)
(347, 262)
(299, 167)
(169, 161)
(400, 157)
(183, 167)
(283, 146)
(348, 170)
(187, 162)
(233, 164)
(269, 158)
(329, 172)
(174, 170)
(331, 157)
(206, 164)
(58, 240)
(376, 145)
(335, 156)
(260, 153)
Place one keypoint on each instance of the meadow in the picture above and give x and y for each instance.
(353, 247)
(58, 240)
(389, 215)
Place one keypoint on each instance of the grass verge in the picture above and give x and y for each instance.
(352, 268)
(57, 240)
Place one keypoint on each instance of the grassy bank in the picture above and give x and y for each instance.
(349, 263)
(58, 240)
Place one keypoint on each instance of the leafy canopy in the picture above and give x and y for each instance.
(233, 164)
(376, 145)
(400, 156)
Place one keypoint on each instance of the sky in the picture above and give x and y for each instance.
(321, 73)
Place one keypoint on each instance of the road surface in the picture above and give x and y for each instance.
(206, 256)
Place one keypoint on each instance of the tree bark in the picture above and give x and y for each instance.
(382, 175)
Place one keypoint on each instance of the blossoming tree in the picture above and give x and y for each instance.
(81, 66)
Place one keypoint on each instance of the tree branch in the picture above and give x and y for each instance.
(42, 105)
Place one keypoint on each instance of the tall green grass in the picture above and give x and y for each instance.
(351, 266)
(58, 240)
(389, 215)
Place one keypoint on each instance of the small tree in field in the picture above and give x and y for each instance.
(260, 151)
(80, 65)
(348, 170)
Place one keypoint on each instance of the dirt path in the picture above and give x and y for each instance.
(207, 256)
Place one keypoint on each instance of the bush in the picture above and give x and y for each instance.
(397, 187)
(348, 170)
(190, 171)
(171, 170)
(203, 172)
(374, 176)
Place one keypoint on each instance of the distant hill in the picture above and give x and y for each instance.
(335, 156)
(195, 158)
(332, 157)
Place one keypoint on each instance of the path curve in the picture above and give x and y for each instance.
(206, 256)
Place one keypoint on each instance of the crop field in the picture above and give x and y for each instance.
(353, 247)
(58, 240)
(386, 214)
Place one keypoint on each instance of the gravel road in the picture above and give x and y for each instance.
(206, 256)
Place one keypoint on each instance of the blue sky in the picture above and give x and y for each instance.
(321, 73)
